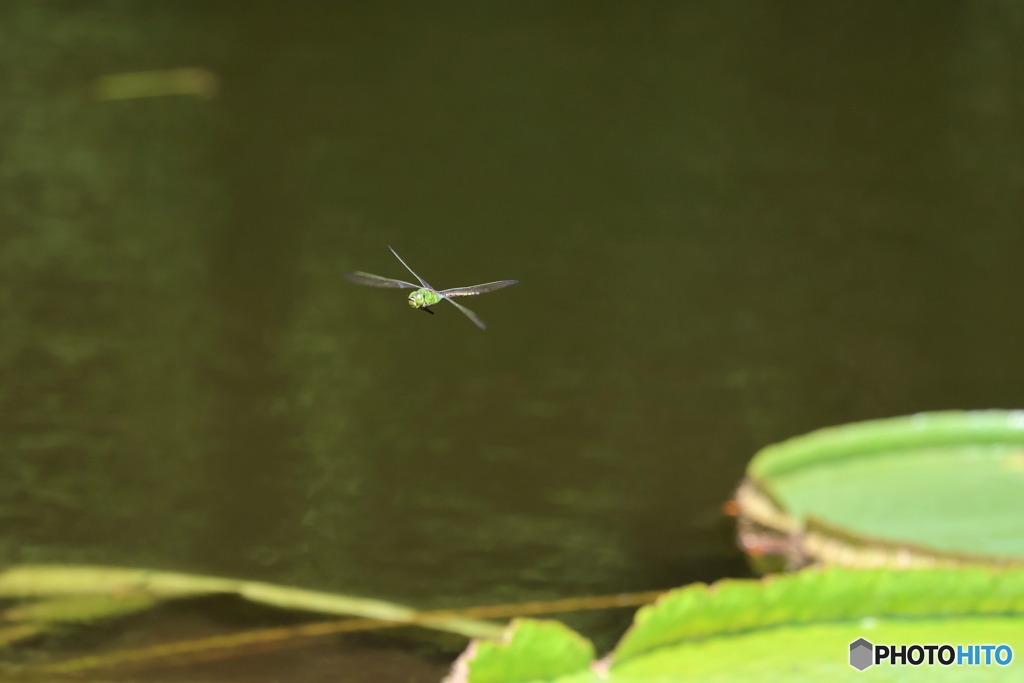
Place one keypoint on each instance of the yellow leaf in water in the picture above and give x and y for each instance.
(126, 86)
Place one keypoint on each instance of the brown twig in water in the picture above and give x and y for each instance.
(263, 640)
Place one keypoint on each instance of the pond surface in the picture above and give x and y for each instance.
(731, 223)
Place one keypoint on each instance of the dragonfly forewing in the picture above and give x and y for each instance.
(361, 278)
(422, 281)
(478, 289)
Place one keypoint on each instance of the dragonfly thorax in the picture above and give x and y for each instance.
(422, 298)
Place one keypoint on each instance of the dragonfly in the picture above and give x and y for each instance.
(426, 296)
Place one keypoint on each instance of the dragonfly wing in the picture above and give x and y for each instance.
(422, 281)
(469, 314)
(478, 289)
(369, 280)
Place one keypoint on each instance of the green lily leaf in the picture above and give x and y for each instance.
(796, 627)
(531, 650)
(698, 611)
(819, 652)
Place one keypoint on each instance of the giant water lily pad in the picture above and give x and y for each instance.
(925, 490)
(796, 627)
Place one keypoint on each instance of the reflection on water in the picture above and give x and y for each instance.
(730, 223)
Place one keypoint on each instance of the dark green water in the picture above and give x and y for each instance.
(732, 222)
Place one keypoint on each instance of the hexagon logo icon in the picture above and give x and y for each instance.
(861, 654)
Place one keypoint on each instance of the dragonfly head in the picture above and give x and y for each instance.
(416, 299)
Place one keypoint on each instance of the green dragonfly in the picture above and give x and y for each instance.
(426, 296)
